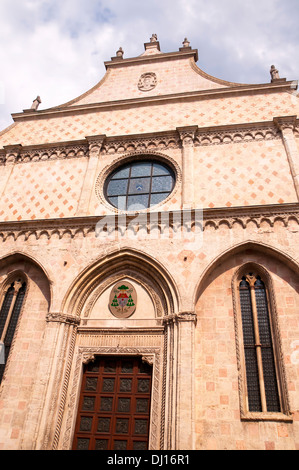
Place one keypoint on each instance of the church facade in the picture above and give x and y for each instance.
(149, 264)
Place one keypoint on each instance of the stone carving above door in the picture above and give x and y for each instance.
(123, 300)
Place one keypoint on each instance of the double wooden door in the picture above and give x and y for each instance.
(114, 406)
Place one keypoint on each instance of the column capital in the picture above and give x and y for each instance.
(59, 317)
(181, 317)
(12, 152)
(285, 122)
(187, 134)
(95, 141)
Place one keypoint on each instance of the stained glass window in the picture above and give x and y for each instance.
(139, 185)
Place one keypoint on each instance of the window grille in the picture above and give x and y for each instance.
(139, 185)
(262, 386)
(9, 315)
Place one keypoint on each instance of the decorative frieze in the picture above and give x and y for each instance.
(62, 318)
(262, 217)
(173, 139)
(145, 143)
(236, 135)
(58, 151)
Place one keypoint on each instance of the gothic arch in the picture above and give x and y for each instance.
(116, 265)
(18, 257)
(237, 249)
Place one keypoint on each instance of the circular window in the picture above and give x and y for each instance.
(139, 185)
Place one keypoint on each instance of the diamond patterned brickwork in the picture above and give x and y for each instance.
(41, 190)
(172, 77)
(152, 118)
(254, 173)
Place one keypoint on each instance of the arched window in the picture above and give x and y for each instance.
(13, 297)
(261, 376)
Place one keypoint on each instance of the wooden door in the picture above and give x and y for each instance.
(114, 407)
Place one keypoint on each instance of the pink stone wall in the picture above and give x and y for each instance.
(152, 117)
(252, 173)
(176, 76)
(42, 190)
(28, 362)
(218, 424)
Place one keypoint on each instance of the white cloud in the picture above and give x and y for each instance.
(56, 49)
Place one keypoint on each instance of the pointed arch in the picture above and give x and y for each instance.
(263, 385)
(238, 249)
(254, 304)
(122, 261)
(21, 257)
(20, 276)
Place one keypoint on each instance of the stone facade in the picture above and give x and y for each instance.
(234, 151)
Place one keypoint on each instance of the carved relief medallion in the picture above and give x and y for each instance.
(123, 300)
(147, 81)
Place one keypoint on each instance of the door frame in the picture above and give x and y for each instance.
(151, 355)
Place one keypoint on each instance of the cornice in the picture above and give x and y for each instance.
(216, 93)
(111, 331)
(211, 218)
(147, 142)
(160, 57)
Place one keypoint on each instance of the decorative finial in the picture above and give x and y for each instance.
(274, 73)
(36, 103)
(120, 52)
(154, 38)
(186, 43)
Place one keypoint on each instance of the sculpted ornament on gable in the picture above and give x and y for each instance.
(147, 81)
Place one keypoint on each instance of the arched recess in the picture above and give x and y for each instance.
(25, 297)
(219, 341)
(242, 248)
(269, 312)
(115, 266)
(27, 265)
(146, 341)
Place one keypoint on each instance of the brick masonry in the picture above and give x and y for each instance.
(53, 167)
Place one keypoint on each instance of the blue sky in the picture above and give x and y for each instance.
(56, 49)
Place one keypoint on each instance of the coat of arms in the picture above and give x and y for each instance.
(123, 299)
(147, 81)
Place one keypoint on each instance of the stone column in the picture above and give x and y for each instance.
(187, 136)
(180, 382)
(185, 398)
(286, 125)
(95, 146)
(61, 330)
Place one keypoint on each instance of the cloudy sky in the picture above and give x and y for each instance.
(56, 49)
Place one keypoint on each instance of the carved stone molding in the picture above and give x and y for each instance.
(135, 156)
(62, 318)
(147, 81)
(285, 122)
(236, 135)
(180, 317)
(94, 293)
(187, 135)
(153, 356)
(124, 144)
(261, 217)
(245, 414)
(19, 154)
